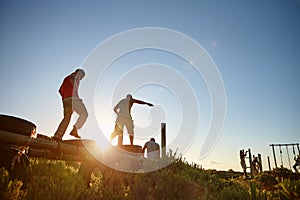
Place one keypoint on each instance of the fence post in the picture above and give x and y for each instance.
(163, 140)
(269, 163)
(250, 162)
(260, 162)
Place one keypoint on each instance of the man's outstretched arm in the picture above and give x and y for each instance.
(141, 102)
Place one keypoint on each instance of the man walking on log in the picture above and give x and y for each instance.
(71, 102)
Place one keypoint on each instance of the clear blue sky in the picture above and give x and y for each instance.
(254, 44)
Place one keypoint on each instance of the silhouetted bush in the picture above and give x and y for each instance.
(54, 180)
(10, 189)
(179, 180)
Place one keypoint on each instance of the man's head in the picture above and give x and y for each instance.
(80, 73)
(152, 139)
(128, 96)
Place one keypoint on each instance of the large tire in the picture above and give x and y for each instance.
(17, 125)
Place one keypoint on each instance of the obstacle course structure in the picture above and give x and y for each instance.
(254, 162)
(19, 140)
(281, 148)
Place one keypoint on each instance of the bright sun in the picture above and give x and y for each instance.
(103, 144)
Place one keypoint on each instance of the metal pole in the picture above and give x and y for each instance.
(163, 140)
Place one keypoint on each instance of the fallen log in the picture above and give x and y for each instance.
(76, 149)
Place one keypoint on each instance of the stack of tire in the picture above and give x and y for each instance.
(17, 168)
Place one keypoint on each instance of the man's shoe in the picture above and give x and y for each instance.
(57, 138)
(74, 133)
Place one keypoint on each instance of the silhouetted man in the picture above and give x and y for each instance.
(71, 102)
(122, 109)
(153, 149)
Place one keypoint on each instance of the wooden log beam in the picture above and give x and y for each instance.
(39, 153)
(39, 143)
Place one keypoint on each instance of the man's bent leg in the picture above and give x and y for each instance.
(131, 139)
(120, 140)
(118, 132)
(129, 127)
(67, 104)
(80, 108)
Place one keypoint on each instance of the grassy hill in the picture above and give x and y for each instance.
(60, 180)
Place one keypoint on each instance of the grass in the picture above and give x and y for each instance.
(60, 180)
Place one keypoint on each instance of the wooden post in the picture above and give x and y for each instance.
(274, 155)
(250, 162)
(163, 140)
(269, 163)
(298, 148)
(260, 162)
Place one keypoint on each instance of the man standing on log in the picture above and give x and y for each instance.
(122, 109)
(71, 102)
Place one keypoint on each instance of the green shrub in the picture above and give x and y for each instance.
(54, 180)
(288, 189)
(282, 173)
(60, 180)
(234, 192)
(10, 189)
(267, 180)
